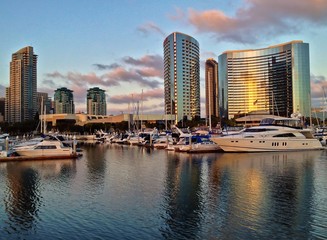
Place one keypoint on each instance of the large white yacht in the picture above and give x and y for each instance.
(273, 134)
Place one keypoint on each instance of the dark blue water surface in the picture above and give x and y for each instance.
(123, 192)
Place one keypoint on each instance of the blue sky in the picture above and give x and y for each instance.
(117, 45)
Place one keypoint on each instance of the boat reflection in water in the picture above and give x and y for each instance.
(128, 192)
(244, 196)
(24, 198)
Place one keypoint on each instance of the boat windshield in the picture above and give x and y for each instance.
(259, 130)
(288, 122)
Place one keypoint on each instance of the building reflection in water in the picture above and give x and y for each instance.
(96, 164)
(183, 197)
(232, 194)
(23, 193)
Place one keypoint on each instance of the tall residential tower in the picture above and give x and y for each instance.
(96, 101)
(182, 76)
(64, 101)
(21, 102)
(211, 80)
(275, 80)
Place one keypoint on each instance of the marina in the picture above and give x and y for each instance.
(128, 192)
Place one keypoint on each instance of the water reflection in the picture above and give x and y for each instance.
(182, 195)
(225, 195)
(96, 162)
(23, 194)
(123, 192)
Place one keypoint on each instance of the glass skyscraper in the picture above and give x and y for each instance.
(21, 104)
(274, 80)
(96, 101)
(182, 76)
(64, 101)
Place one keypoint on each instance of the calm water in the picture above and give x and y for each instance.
(122, 192)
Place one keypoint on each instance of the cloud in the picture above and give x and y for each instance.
(153, 102)
(150, 27)
(76, 78)
(106, 67)
(134, 97)
(144, 72)
(49, 83)
(150, 72)
(119, 75)
(206, 55)
(258, 19)
(153, 61)
(318, 87)
(115, 77)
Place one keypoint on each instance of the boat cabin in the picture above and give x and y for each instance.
(284, 122)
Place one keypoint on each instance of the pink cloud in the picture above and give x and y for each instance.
(145, 71)
(318, 86)
(150, 72)
(259, 18)
(154, 61)
(138, 96)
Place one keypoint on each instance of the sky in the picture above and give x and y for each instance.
(116, 45)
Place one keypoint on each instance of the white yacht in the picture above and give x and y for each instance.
(199, 144)
(49, 148)
(163, 141)
(273, 134)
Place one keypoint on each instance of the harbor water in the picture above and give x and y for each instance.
(122, 192)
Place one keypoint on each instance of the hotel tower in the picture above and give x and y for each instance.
(274, 80)
(181, 76)
(21, 104)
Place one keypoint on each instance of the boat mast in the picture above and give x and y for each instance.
(324, 108)
(45, 121)
(141, 109)
(209, 104)
(41, 112)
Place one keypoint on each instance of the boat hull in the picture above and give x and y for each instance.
(232, 144)
(44, 152)
(204, 148)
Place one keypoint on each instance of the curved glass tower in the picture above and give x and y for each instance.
(182, 76)
(275, 80)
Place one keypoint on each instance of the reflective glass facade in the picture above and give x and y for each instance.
(64, 101)
(181, 76)
(96, 103)
(211, 80)
(275, 80)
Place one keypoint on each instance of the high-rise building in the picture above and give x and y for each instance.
(211, 81)
(43, 103)
(64, 101)
(96, 101)
(2, 109)
(21, 94)
(274, 80)
(182, 76)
